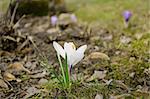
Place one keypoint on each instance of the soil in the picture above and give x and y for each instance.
(25, 49)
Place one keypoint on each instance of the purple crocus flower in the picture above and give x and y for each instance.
(127, 15)
(73, 18)
(54, 20)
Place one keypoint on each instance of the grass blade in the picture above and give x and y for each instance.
(62, 68)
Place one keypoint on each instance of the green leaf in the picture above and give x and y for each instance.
(62, 69)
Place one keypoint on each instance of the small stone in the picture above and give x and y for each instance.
(97, 75)
(132, 59)
(97, 55)
(117, 52)
(99, 96)
(27, 25)
(28, 64)
(42, 81)
(108, 37)
(94, 38)
(125, 40)
(53, 30)
(30, 92)
(138, 36)
(132, 74)
(139, 87)
(148, 83)
(108, 82)
(96, 48)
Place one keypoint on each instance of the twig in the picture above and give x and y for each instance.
(24, 43)
(13, 15)
(31, 40)
(17, 23)
(9, 38)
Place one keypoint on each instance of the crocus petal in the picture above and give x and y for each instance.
(75, 58)
(78, 55)
(82, 49)
(127, 15)
(69, 49)
(73, 18)
(54, 20)
(59, 49)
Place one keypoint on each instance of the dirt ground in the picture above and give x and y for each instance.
(115, 66)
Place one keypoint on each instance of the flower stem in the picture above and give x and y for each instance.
(62, 69)
(67, 72)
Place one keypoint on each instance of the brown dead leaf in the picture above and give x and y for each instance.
(97, 55)
(97, 75)
(3, 84)
(30, 92)
(8, 76)
(120, 96)
(39, 75)
(17, 66)
(122, 85)
(143, 93)
(26, 50)
(5, 53)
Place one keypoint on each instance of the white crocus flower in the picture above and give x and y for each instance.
(73, 55)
